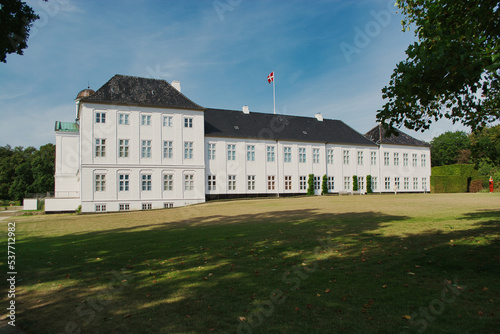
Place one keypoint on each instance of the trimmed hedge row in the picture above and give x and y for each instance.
(455, 178)
(448, 183)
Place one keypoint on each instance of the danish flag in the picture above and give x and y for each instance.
(270, 77)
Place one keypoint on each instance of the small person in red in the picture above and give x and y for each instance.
(491, 184)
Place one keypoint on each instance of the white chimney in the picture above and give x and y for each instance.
(246, 110)
(319, 117)
(177, 85)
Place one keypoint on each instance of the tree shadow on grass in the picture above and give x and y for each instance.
(204, 273)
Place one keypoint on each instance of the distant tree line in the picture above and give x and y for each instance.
(26, 170)
(481, 148)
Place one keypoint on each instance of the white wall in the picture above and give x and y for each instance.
(66, 178)
(112, 165)
(261, 168)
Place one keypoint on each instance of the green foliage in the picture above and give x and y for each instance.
(369, 184)
(17, 19)
(78, 210)
(354, 183)
(26, 171)
(324, 185)
(486, 145)
(310, 183)
(445, 148)
(453, 178)
(448, 183)
(453, 69)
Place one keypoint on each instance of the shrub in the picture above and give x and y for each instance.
(324, 185)
(78, 210)
(369, 184)
(476, 186)
(354, 183)
(310, 182)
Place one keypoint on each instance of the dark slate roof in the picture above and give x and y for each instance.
(401, 139)
(236, 124)
(123, 89)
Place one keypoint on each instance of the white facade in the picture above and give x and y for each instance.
(132, 157)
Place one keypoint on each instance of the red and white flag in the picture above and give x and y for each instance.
(270, 77)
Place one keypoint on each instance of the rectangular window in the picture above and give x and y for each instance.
(317, 182)
(188, 150)
(270, 182)
(396, 159)
(188, 182)
(374, 183)
(123, 182)
(415, 183)
(231, 152)
(167, 121)
(211, 151)
(100, 182)
(302, 154)
(188, 122)
(405, 159)
(123, 148)
(168, 182)
(145, 119)
(424, 183)
(347, 183)
(302, 183)
(396, 183)
(147, 206)
(100, 117)
(231, 182)
(100, 147)
(346, 157)
(123, 119)
(331, 183)
(414, 160)
(373, 158)
(361, 183)
(212, 185)
(251, 182)
(146, 182)
(146, 149)
(124, 207)
(250, 152)
(315, 155)
(360, 158)
(423, 160)
(100, 208)
(387, 183)
(288, 182)
(330, 156)
(168, 205)
(386, 158)
(168, 149)
(287, 154)
(270, 154)
(406, 183)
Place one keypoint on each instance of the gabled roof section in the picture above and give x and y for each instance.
(66, 126)
(128, 90)
(378, 133)
(236, 124)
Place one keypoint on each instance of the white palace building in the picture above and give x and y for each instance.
(140, 144)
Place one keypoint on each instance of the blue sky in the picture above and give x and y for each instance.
(332, 57)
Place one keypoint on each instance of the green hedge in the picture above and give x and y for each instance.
(453, 178)
(448, 183)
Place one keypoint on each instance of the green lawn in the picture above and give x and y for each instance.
(351, 264)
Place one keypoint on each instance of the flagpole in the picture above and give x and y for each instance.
(274, 96)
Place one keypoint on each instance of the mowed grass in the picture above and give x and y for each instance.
(352, 264)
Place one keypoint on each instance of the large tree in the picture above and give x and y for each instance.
(446, 148)
(486, 145)
(16, 20)
(452, 71)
